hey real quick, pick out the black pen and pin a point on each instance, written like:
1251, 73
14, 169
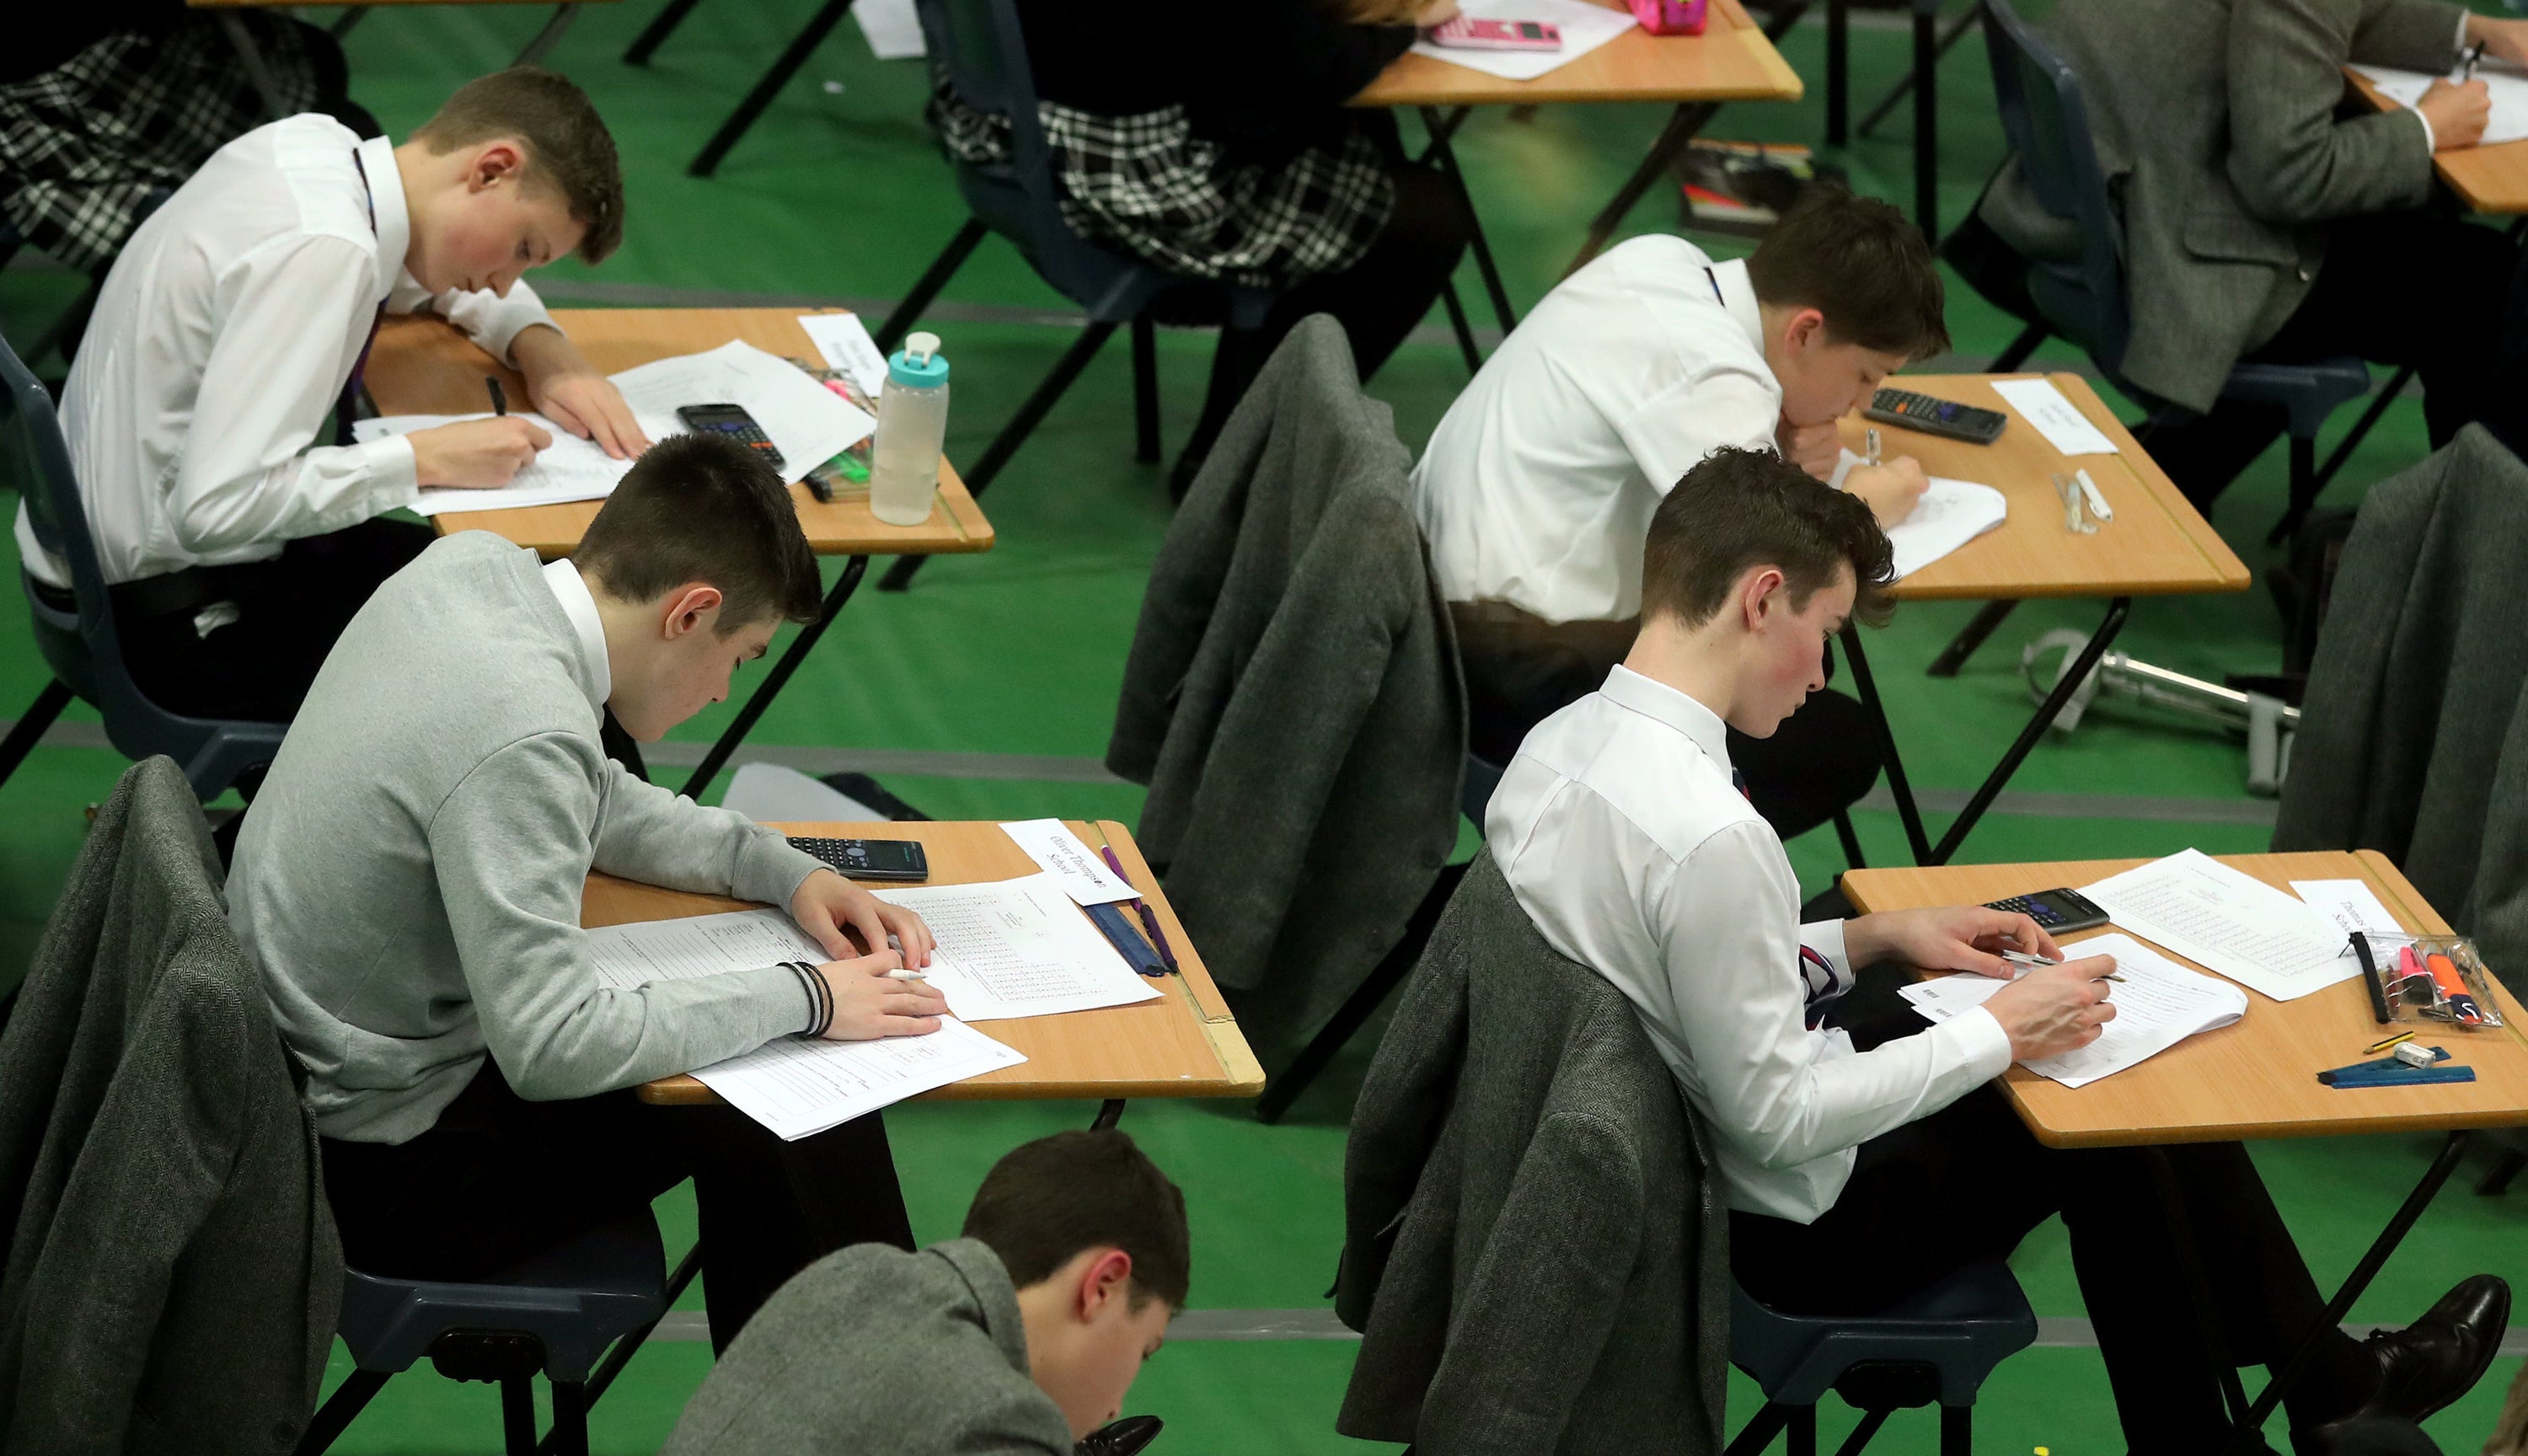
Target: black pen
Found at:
2474, 53
500, 400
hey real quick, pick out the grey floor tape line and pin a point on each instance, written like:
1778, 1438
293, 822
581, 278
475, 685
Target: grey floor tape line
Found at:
1295, 1324
1052, 769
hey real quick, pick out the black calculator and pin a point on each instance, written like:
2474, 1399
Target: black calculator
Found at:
734, 421
1933, 416
899, 860
2055, 912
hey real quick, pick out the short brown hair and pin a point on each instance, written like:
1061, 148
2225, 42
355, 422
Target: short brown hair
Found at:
1738, 509
704, 508
568, 148
1048, 1200
1861, 264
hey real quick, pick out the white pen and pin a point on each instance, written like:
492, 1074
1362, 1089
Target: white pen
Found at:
906, 974
1869, 444
2097, 501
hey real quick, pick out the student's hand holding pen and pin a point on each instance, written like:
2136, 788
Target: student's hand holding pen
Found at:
825, 904
870, 1003
1892, 488
2458, 112
1956, 937
476, 454
2055, 1009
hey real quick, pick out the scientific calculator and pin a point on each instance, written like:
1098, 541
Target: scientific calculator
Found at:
900, 860
1932, 416
734, 421
2055, 912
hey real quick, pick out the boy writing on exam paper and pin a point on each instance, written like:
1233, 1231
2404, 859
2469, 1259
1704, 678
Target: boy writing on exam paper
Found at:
409, 885
235, 546
1863, 1165
1538, 484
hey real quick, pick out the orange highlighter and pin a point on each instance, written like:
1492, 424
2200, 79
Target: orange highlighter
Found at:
2442, 972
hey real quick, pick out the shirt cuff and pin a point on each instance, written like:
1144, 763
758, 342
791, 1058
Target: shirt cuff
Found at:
2431, 143
2458, 44
1980, 1042
494, 322
1826, 937
395, 475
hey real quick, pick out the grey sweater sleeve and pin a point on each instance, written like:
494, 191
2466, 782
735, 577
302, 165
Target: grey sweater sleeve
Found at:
2291, 160
647, 834
508, 845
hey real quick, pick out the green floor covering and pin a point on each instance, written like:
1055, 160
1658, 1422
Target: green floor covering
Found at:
838, 194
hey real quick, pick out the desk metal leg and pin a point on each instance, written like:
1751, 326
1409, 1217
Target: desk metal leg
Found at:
1443, 160
659, 30
1974, 811
1682, 124
1949, 39
241, 40
1108, 1114
1927, 127
769, 85
1838, 71
1969, 636
1465, 331
547, 37
2245, 1437
713, 762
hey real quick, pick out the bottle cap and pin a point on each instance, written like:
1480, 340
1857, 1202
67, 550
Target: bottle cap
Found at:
919, 363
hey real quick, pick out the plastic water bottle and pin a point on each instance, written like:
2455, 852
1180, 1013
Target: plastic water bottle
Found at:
911, 423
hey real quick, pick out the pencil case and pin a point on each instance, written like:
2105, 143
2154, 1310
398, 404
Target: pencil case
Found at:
1670, 17
2438, 978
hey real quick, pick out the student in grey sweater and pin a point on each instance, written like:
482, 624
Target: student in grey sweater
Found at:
409, 885
1017, 1339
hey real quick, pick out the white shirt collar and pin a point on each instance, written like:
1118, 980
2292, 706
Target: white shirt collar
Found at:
386, 195
1738, 295
1656, 700
577, 603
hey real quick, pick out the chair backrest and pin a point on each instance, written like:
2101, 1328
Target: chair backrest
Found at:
2046, 121
79, 643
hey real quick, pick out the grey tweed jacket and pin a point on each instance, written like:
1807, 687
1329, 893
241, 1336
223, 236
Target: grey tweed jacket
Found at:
2414, 738
1532, 1250
2215, 126
173, 1273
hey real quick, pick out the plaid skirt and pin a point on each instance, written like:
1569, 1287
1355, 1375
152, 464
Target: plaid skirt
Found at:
1147, 185
88, 148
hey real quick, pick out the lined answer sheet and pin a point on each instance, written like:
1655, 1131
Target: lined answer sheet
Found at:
1018, 948
2229, 921
792, 1085
1951, 513
2158, 1004
568, 469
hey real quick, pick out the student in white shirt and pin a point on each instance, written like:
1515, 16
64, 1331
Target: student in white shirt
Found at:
235, 542
1862, 1165
1538, 484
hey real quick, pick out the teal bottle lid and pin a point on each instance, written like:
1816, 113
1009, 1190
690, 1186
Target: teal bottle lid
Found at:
917, 363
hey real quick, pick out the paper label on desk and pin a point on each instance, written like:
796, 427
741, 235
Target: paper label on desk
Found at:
2158, 1004
2055, 417
569, 469
841, 338
2229, 921
793, 1085
2352, 905
1950, 514
2502, 83
1584, 27
1018, 948
1059, 853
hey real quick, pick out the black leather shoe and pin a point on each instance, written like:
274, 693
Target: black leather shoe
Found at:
1133, 1432
2438, 1358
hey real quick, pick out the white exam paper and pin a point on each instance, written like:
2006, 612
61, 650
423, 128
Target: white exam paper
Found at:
2158, 1004
892, 29
568, 469
1584, 27
808, 423
2044, 406
2503, 82
1951, 513
845, 342
792, 1085
1018, 948
2231, 922
1080, 871
2352, 905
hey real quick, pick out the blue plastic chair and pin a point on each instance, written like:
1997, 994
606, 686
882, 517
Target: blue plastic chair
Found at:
1936, 1347
2047, 123
75, 629
555, 1315
984, 50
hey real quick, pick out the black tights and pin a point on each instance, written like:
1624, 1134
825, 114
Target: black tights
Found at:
1378, 301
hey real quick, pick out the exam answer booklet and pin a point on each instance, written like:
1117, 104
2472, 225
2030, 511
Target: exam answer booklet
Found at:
1018, 948
794, 1085
2158, 1004
2229, 922
1950, 514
